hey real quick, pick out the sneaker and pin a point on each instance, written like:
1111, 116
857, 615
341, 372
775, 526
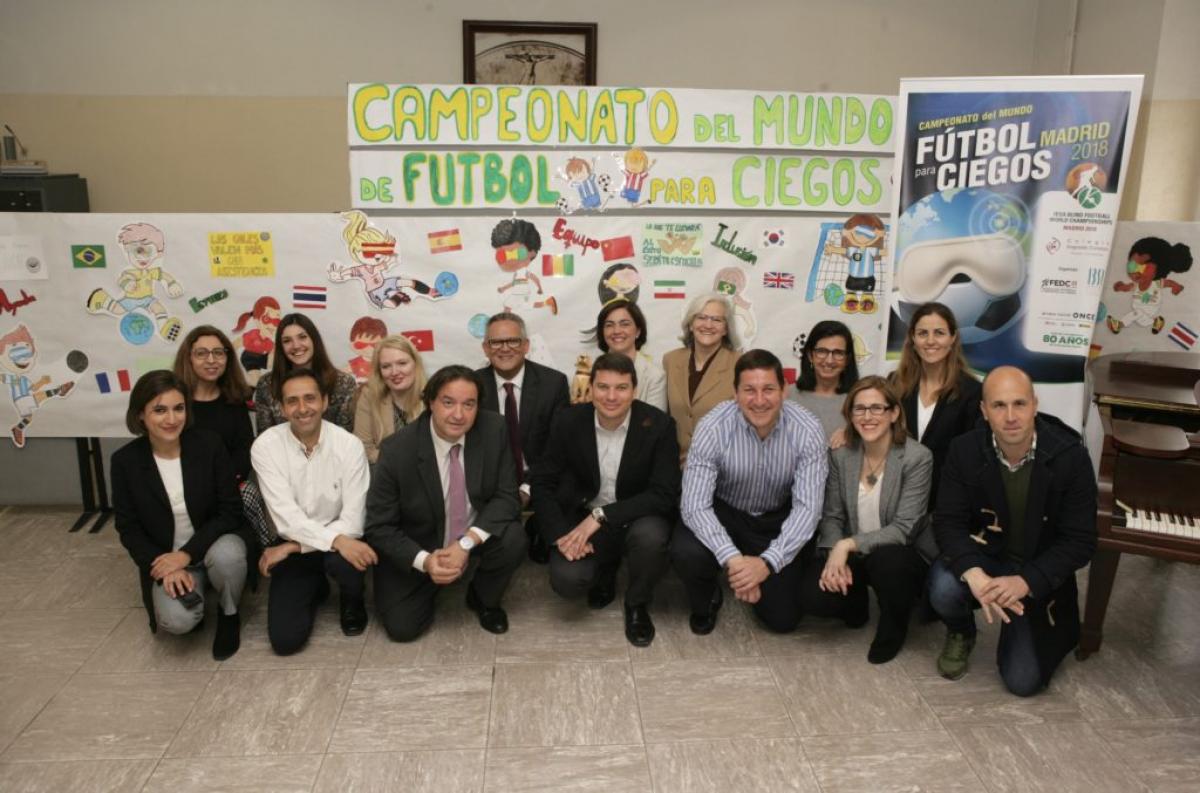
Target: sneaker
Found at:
1158, 325
952, 663
98, 302
553, 304
18, 436
850, 304
65, 388
1114, 324
867, 306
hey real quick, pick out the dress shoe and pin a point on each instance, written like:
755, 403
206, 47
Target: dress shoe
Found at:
229, 635
858, 608
889, 636
639, 628
354, 616
703, 624
539, 551
492, 620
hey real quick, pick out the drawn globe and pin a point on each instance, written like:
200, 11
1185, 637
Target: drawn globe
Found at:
959, 214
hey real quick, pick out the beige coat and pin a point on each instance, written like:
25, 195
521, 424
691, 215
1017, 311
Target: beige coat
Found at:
715, 388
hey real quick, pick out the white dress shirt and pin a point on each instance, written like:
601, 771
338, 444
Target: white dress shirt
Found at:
441, 448
171, 472
312, 498
610, 444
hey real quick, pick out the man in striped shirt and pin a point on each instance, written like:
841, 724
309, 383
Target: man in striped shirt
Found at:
752, 493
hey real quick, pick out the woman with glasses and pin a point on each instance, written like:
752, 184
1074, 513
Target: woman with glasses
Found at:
873, 519
700, 373
392, 397
298, 344
939, 396
217, 386
621, 328
177, 512
827, 370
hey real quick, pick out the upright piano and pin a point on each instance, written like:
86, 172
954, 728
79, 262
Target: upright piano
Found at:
1149, 469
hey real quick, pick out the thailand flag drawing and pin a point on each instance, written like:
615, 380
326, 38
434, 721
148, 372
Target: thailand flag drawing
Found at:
445, 241
304, 296
106, 386
775, 280
1182, 335
558, 264
617, 248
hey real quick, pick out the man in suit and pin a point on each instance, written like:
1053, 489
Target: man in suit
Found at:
608, 485
1015, 518
527, 395
444, 490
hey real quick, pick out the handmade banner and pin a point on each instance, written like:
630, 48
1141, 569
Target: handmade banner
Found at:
1006, 201
573, 181
383, 114
73, 341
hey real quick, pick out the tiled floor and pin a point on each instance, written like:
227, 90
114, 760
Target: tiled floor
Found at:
90, 701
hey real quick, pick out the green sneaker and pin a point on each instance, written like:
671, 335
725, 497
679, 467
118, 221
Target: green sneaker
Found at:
953, 662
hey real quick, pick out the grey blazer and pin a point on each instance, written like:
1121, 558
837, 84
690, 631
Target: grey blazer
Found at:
903, 501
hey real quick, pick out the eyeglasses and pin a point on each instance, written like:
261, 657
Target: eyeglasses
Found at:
874, 410
821, 353
216, 353
710, 318
497, 344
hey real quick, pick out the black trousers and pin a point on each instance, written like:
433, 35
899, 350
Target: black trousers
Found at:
405, 597
298, 586
643, 543
896, 573
779, 607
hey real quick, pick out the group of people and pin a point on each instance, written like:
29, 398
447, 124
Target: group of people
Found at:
928, 487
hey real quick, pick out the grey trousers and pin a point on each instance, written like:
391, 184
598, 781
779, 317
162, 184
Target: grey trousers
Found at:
225, 566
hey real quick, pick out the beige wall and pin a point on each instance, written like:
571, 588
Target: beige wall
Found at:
236, 105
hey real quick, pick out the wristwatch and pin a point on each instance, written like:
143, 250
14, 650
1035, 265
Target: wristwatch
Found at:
598, 515
466, 542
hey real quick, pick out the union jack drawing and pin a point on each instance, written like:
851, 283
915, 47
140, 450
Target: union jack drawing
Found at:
777, 280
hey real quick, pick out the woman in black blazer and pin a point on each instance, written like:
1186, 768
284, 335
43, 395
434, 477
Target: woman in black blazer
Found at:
938, 393
177, 513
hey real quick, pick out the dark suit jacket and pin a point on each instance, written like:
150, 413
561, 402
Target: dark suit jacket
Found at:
1060, 525
951, 418
406, 511
543, 393
567, 477
142, 509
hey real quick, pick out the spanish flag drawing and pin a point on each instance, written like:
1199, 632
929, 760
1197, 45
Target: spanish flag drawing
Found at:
558, 264
445, 241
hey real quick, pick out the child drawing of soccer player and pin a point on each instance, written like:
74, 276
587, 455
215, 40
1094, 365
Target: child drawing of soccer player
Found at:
374, 252
517, 243
592, 189
636, 167
257, 343
144, 246
365, 335
862, 246
1151, 261
18, 354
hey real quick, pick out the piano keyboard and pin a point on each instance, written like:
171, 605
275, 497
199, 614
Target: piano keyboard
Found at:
1157, 522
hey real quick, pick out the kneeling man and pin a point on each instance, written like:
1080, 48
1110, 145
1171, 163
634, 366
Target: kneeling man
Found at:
606, 487
444, 490
1015, 518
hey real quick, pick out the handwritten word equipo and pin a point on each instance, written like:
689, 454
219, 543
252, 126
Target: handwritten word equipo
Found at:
728, 245
806, 181
569, 237
466, 178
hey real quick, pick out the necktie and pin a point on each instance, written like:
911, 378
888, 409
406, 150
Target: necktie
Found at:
456, 497
512, 419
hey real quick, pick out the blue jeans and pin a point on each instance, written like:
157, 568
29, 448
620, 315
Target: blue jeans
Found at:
1016, 656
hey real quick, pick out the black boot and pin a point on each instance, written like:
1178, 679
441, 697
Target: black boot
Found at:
228, 637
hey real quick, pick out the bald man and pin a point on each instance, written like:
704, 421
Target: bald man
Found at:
1015, 518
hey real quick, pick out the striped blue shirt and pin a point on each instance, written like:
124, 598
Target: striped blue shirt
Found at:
729, 461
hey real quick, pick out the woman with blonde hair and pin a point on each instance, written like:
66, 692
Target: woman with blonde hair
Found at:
939, 396
392, 395
700, 373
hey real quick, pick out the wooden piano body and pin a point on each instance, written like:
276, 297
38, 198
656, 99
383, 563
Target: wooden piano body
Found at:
1150, 464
